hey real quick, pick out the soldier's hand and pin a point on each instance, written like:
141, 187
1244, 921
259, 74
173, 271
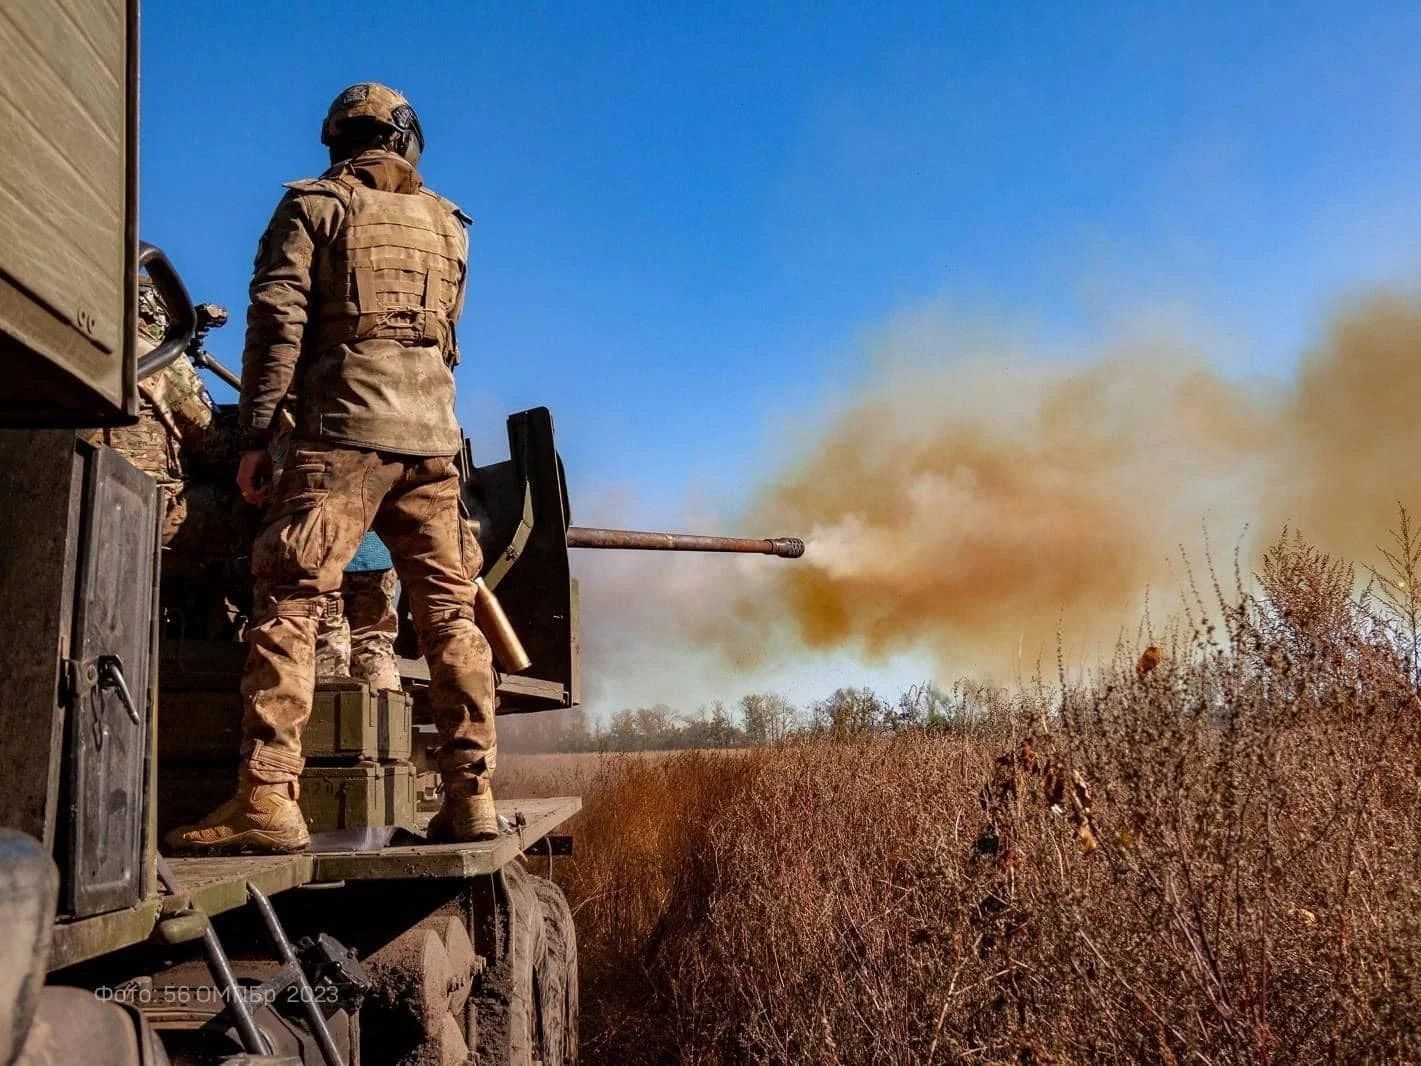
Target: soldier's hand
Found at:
254, 476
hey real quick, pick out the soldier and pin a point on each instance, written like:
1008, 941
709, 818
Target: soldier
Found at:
362, 643
180, 441
175, 422
358, 282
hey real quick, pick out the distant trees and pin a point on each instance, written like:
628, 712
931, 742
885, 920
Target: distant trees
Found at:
654, 722
768, 718
711, 727
849, 711
758, 718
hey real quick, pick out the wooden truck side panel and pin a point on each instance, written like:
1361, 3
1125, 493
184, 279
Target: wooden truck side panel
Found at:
68, 209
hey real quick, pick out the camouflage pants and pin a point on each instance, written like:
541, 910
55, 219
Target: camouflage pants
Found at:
328, 496
362, 643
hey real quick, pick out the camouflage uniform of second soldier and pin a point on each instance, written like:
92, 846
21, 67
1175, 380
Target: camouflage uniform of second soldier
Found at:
362, 643
176, 423
358, 282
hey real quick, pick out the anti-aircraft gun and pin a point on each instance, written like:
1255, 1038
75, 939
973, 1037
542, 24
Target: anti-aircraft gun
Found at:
528, 607
521, 511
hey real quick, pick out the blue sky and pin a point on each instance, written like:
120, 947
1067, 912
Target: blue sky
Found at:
690, 217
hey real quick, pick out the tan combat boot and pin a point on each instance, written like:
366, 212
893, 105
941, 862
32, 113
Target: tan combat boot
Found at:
259, 818
466, 816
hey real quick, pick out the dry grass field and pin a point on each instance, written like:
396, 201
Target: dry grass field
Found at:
1209, 853
521, 776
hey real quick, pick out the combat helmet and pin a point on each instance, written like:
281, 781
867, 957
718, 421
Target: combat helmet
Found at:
379, 103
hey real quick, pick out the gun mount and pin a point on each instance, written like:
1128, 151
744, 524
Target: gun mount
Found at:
525, 530
209, 317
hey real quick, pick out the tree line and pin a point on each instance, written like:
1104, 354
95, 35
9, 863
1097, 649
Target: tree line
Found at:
757, 718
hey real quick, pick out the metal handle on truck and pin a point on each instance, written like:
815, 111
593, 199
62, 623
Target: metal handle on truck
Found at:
182, 319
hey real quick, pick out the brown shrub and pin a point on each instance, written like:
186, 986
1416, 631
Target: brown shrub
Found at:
1215, 859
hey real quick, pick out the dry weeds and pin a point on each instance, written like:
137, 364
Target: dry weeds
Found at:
1208, 853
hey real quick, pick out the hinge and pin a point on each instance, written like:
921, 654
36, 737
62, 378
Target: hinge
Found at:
77, 677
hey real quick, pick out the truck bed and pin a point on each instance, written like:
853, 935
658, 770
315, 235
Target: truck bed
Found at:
219, 884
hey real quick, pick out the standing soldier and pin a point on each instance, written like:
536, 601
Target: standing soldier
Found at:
358, 282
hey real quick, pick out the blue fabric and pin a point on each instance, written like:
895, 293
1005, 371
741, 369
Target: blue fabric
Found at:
371, 555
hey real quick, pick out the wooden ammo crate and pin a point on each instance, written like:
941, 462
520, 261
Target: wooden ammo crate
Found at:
351, 797
348, 721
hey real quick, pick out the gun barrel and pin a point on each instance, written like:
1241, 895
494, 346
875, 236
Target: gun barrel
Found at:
205, 359
589, 537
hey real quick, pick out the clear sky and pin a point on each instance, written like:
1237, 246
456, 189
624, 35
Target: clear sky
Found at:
690, 216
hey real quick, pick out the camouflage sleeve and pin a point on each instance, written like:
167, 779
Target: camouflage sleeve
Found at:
188, 404
455, 356
280, 296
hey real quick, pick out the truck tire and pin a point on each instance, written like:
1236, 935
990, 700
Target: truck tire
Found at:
527, 1002
406, 1018
556, 977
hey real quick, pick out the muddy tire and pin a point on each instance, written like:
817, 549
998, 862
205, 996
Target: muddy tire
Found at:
527, 1001
555, 978
408, 1017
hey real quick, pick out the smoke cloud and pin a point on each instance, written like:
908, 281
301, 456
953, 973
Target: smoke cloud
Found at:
979, 504
981, 500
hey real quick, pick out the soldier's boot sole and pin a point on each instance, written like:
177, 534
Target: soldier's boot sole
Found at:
248, 842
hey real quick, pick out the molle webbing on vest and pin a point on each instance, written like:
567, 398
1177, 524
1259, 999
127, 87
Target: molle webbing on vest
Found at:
393, 270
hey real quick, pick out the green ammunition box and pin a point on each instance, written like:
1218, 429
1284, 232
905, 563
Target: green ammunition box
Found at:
332, 797
352, 797
348, 720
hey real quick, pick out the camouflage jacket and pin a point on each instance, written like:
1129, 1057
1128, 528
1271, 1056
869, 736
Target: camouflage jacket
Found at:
175, 419
175, 413
384, 392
